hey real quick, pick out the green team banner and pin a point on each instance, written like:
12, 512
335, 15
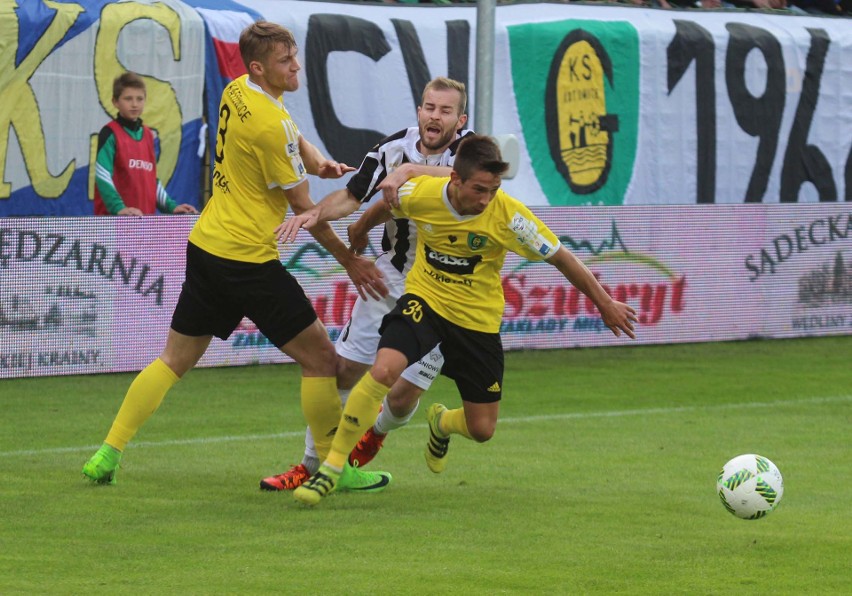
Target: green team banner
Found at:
624, 106
579, 108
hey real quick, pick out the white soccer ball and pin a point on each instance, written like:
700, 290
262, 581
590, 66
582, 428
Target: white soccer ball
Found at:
750, 486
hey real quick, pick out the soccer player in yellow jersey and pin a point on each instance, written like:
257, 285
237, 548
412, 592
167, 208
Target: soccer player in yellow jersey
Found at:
426, 149
232, 263
454, 296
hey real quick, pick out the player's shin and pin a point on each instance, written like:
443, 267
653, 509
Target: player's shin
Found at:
321, 408
142, 400
453, 422
360, 413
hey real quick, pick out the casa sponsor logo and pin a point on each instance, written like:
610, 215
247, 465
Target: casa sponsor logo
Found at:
534, 304
140, 164
451, 263
583, 145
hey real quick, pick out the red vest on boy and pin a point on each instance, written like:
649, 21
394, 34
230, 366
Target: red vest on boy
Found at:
134, 171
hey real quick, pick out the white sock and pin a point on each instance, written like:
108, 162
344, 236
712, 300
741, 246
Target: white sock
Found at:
311, 463
344, 395
387, 422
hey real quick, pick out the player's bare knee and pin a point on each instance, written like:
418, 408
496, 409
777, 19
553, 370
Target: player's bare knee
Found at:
349, 372
481, 431
383, 374
388, 366
322, 362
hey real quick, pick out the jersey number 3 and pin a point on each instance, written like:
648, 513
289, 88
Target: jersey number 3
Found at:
224, 114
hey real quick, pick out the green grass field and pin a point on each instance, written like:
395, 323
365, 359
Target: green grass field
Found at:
600, 480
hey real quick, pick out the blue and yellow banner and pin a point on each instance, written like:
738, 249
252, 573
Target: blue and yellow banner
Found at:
59, 59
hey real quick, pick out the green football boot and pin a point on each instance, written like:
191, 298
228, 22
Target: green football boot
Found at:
356, 480
326, 481
103, 465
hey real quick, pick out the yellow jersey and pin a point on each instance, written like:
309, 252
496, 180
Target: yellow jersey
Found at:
458, 260
256, 158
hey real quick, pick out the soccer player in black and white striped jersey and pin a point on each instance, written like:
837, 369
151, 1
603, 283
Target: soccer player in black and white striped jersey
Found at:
427, 149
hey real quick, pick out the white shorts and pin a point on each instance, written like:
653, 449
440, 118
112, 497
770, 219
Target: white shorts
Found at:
359, 339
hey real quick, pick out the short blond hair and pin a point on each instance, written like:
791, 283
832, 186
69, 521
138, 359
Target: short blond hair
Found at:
259, 39
447, 84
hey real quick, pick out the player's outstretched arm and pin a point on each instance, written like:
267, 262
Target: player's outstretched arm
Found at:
390, 185
317, 164
335, 205
358, 231
363, 272
616, 315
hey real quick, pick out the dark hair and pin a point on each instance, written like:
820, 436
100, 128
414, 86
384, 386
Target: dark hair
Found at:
122, 82
446, 84
259, 39
478, 153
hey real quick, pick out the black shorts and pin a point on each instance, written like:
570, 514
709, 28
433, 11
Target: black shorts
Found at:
473, 359
217, 293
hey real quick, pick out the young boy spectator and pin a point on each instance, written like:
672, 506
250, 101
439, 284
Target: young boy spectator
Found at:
126, 166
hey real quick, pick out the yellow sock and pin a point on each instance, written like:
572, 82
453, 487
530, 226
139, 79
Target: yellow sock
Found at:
321, 408
360, 413
454, 422
144, 396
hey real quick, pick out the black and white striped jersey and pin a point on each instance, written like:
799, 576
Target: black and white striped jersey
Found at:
400, 238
